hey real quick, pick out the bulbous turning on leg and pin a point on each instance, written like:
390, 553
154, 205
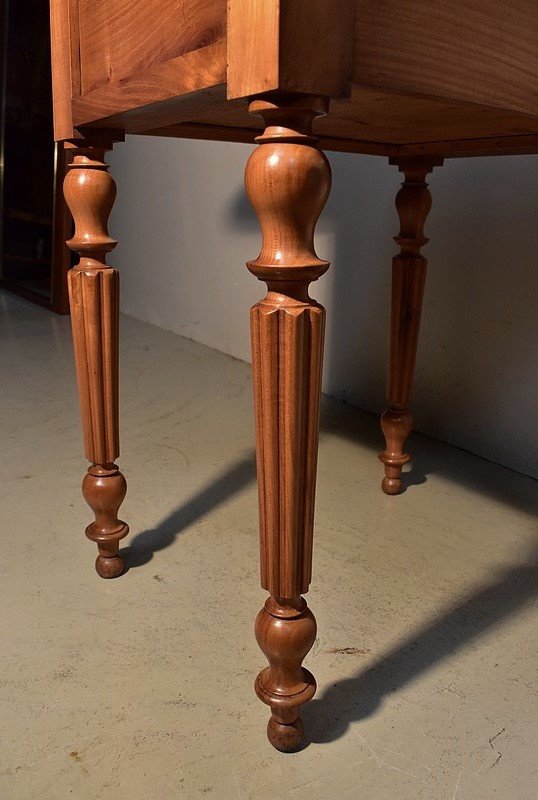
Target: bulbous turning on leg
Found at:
285, 631
396, 427
288, 180
104, 490
413, 203
94, 301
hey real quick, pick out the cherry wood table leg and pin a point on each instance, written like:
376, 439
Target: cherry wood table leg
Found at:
94, 301
413, 203
288, 181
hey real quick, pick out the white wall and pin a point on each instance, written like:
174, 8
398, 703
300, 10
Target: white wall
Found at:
185, 230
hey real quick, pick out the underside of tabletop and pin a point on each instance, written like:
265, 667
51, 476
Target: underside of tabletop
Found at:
453, 78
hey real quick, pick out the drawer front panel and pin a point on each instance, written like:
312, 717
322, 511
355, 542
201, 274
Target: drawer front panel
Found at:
121, 38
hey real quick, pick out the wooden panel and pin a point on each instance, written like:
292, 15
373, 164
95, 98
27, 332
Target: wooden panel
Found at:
493, 146
119, 38
404, 119
65, 65
189, 130
483, 52
292, 45
370, 121
163, 93
301, 46
253, 59
499, 146
372, 115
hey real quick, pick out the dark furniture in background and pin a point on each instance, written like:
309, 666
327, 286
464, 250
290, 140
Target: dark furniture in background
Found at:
33, 223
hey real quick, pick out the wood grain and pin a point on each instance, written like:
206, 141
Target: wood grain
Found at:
271, 46
490, 146
288, 180
382, 115
285, 631
253, 34
428, 79
370, 121
386, 123
428, 74
65, 64
413, 203
121, 38
94, 300
471, 50
169, 92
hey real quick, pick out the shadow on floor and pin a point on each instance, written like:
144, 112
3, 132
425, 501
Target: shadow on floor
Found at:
327, 718
429, 456
232, 480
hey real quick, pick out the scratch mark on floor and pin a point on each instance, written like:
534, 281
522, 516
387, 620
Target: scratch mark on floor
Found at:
379, 761
236, 784
494, 737
499, 754
457, 784
408, 758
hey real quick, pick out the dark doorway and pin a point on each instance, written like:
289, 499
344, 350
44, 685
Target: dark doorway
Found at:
34, 223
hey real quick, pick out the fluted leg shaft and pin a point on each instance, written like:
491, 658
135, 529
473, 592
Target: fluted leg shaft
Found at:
413, 203
94, 301
288, 181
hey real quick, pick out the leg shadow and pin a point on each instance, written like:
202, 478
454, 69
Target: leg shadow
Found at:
430, 456
328, 717
145, 544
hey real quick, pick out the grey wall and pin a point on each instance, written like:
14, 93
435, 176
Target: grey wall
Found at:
185, 230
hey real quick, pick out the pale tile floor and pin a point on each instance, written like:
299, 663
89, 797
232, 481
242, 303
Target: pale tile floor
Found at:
142, 687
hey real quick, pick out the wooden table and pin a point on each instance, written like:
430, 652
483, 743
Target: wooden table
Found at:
415, 81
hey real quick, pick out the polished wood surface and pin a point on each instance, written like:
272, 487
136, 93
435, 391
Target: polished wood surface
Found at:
413, 203
468, 50
463, 148
398, 75
415, 82
65, 66
265, 53
94, 300
121, 38
288, 181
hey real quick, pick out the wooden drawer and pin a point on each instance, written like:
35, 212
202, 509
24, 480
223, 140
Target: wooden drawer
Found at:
397, 73
119, 39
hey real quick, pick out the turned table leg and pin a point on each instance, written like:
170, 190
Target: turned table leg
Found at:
413, 203
288, 181
94, 300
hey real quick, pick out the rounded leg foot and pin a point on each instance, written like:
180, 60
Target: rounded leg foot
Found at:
104, 488
109, 567
285, 738
391, 485
285, 630
396, 427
